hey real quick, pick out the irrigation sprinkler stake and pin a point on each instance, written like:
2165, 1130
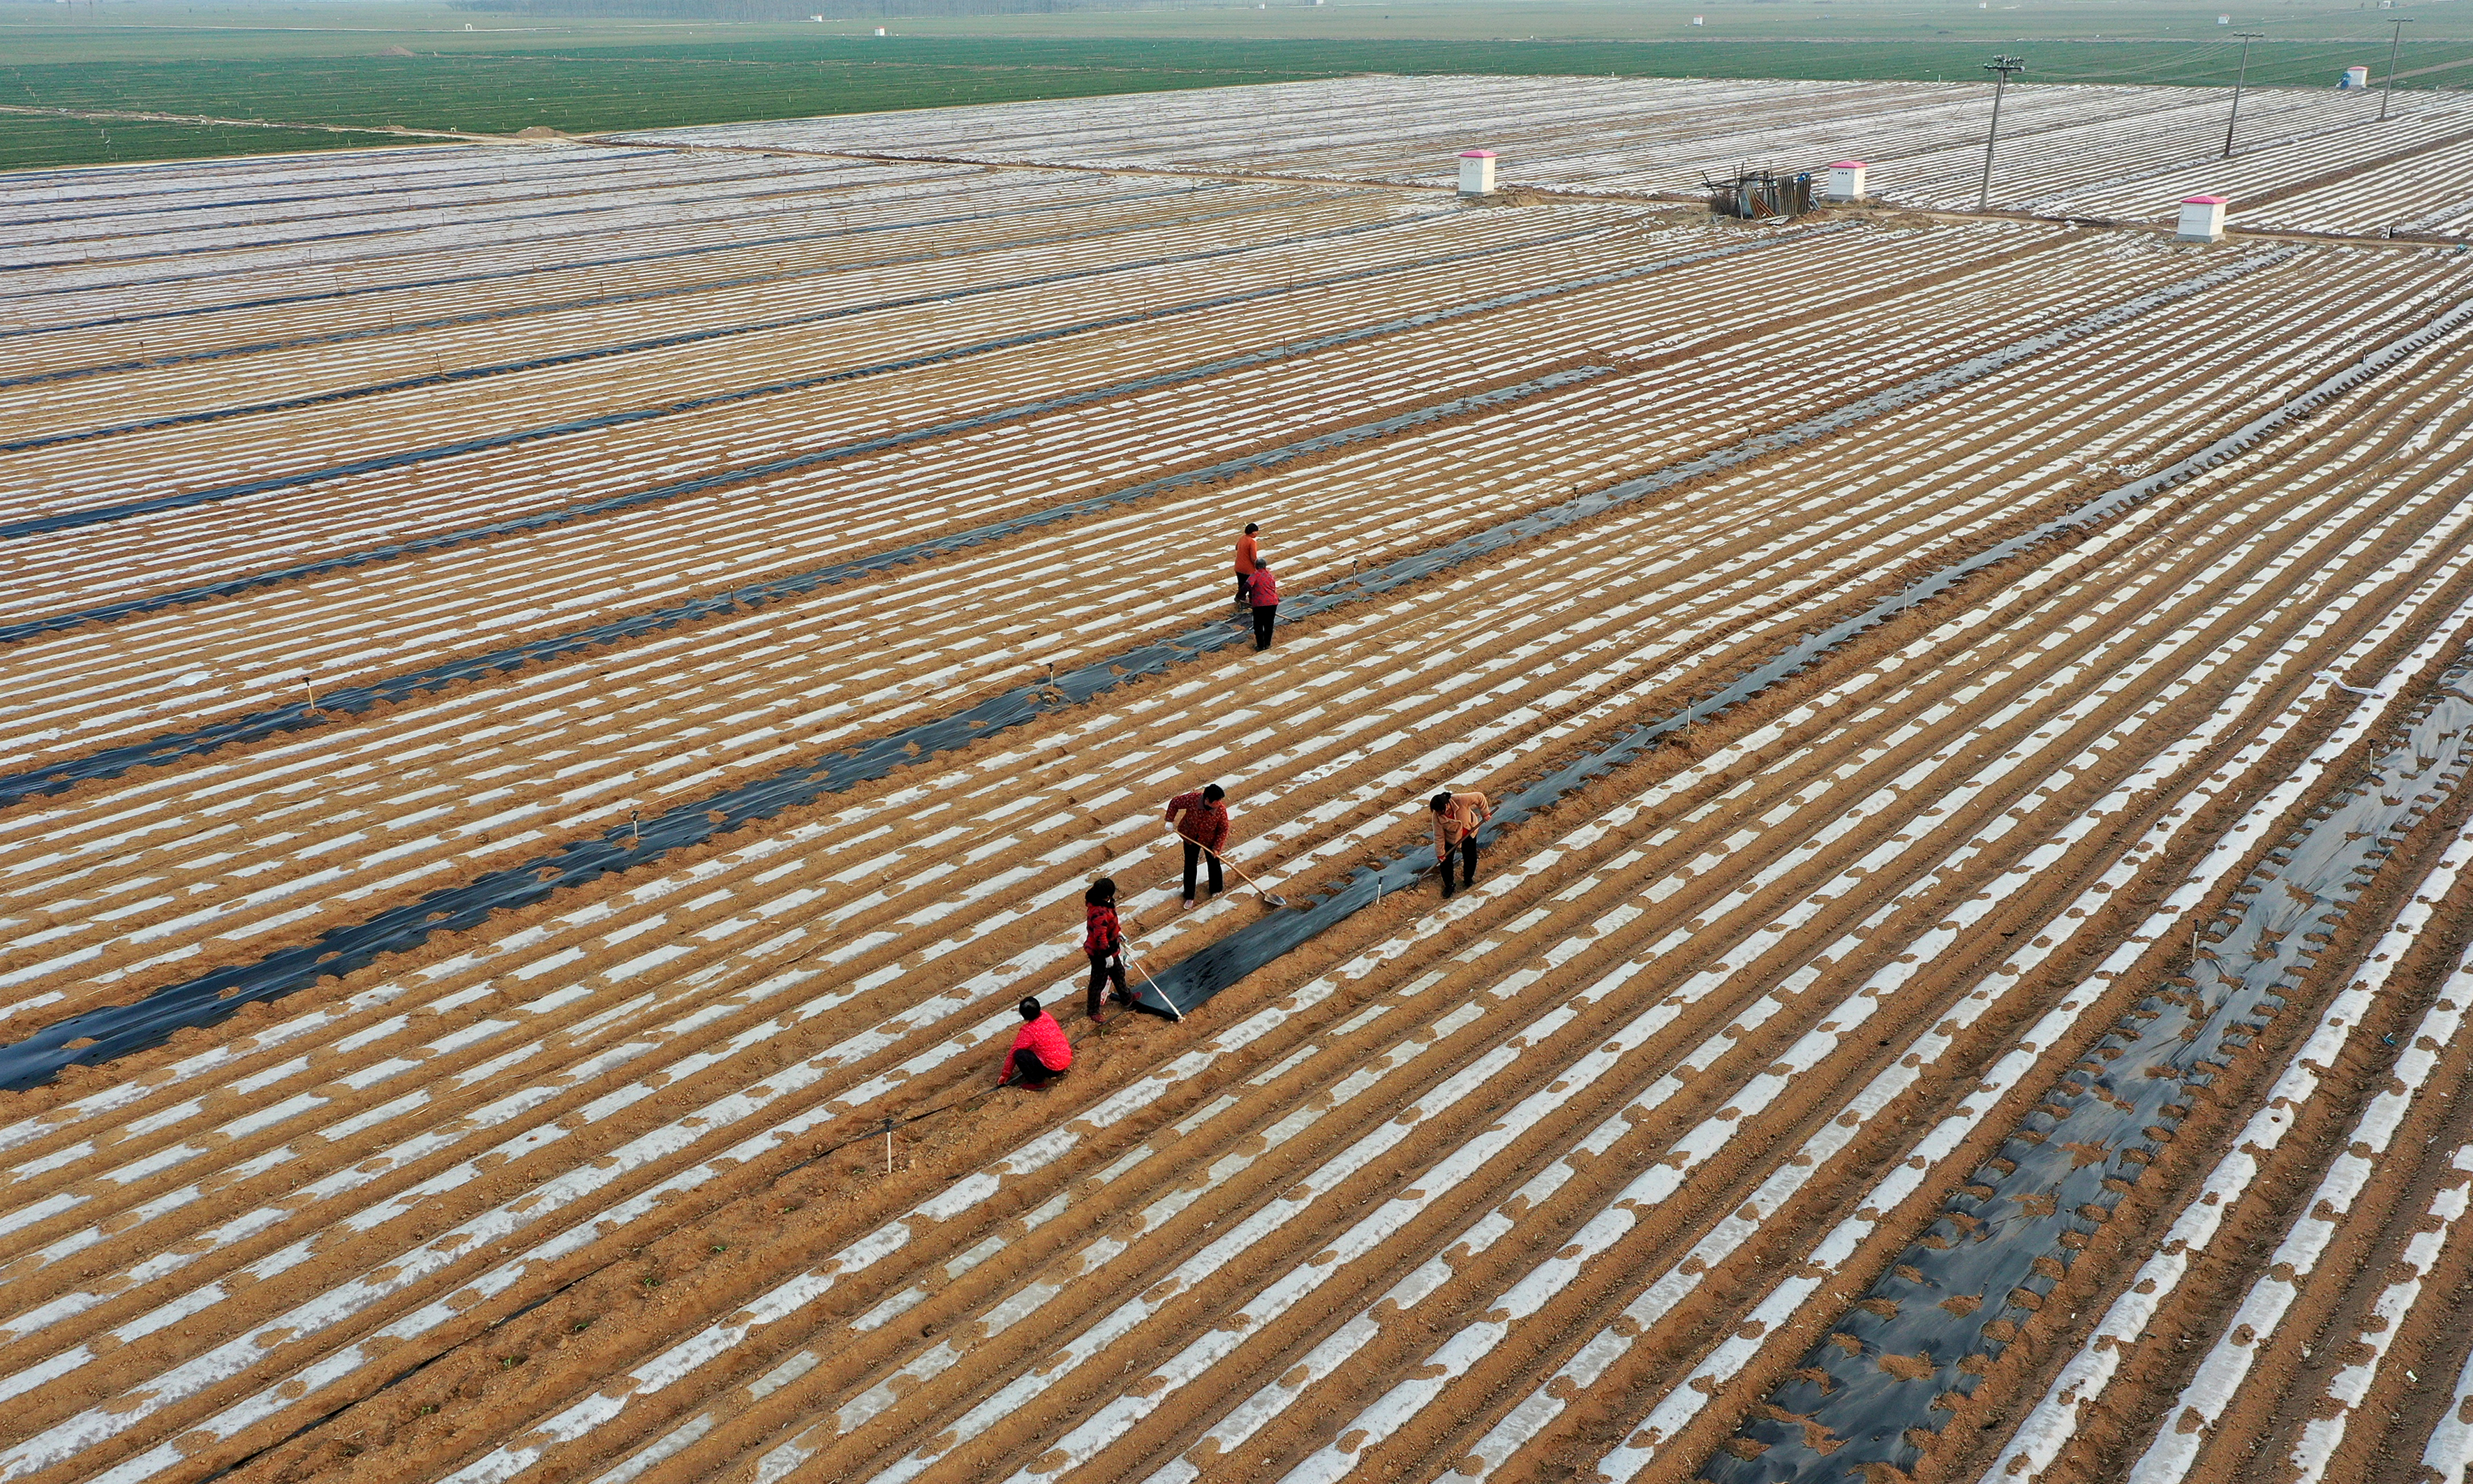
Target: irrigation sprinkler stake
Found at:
888, 1146
311, 686
635, 830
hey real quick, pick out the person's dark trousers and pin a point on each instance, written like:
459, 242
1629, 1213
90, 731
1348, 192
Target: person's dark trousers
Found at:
1468, 863
1244, 592
1104, 967
1262, 617
1193, 853
1029, 1071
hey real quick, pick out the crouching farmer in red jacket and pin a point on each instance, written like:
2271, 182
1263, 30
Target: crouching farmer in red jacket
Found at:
1040, 1050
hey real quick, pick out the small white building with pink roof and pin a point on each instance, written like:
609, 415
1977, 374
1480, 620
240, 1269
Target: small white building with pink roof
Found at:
2202, 218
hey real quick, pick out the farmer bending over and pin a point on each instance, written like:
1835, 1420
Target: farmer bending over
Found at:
1456, 818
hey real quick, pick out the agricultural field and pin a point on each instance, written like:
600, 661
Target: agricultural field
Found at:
151, 79
554, 697
2315, 160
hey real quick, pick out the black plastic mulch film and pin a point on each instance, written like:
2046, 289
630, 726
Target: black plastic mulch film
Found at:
117, 1030
230, 587
1965, 1290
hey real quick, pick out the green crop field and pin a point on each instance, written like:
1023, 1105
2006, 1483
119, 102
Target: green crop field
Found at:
33, 142
497, 71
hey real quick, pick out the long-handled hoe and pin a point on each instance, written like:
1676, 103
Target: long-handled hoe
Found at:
1134, 954
1271, 899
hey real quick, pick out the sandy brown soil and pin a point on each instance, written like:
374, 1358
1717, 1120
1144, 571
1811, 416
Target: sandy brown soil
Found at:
596, 1190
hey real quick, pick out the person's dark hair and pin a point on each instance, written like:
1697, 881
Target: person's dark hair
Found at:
1029, 1008
1212, 792
1251, 528
1102, 892
1439, 802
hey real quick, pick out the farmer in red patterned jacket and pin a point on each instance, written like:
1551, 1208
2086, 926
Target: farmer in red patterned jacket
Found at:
1103, 943
1201, 820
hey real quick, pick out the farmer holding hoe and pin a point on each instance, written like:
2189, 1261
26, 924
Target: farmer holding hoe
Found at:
1456, 818
1200, 819
1103, 943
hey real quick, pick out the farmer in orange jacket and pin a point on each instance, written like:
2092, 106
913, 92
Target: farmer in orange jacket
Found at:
1456, 818
1201, 820
1248, 557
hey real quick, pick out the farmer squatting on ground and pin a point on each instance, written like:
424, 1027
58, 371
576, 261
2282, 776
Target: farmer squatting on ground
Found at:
1201, 820
1040, 1052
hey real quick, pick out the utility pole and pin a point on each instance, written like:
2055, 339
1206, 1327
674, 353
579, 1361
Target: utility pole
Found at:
2397, 41
2239, 77
2004, 66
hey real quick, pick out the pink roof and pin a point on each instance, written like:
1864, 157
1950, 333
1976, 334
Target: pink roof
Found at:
1850, 164
1477, 155
2206, 200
